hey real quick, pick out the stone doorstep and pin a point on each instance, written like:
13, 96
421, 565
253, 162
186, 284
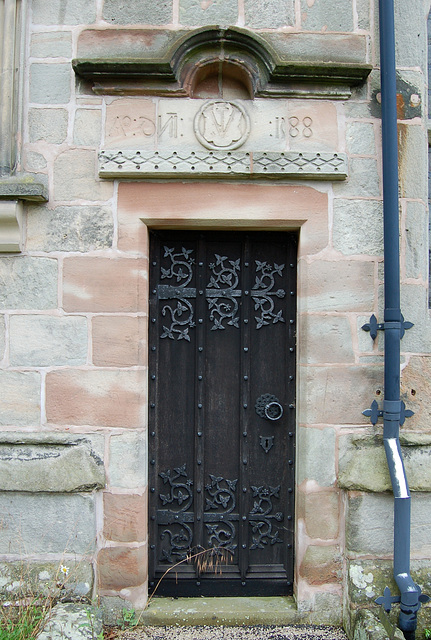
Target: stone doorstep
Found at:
222, 611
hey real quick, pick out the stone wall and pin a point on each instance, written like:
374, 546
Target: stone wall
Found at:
73, 317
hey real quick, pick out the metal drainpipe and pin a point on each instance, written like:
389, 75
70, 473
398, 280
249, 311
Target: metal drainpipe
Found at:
393, 331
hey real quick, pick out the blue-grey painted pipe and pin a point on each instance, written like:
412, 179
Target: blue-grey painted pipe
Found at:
392, 405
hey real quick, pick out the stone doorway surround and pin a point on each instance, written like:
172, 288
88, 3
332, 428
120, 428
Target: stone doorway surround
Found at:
293, 128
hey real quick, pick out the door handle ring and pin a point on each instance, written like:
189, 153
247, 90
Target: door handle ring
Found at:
273, 410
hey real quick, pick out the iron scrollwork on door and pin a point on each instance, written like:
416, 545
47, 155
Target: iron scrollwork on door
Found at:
261, 518
222, 292
263, 293
180, 536
219, 517
181, 314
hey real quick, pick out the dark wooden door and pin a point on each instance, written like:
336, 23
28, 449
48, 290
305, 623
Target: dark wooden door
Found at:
221, 412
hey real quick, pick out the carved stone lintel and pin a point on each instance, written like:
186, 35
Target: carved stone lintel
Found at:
212, 164
10, 225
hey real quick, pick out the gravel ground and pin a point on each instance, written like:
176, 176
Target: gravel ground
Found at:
300, 632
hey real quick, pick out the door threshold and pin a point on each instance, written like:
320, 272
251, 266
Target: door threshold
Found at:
232, 612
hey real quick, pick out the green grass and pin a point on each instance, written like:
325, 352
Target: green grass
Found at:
22, 622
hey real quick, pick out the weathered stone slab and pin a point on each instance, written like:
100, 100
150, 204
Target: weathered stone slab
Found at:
320, 511
87, 127
331, 15
415, 379
271, 14
346, 285
128, 460
363, 466
50, 463
217, 12
369, 528
72, 622
321, 565
321, 389
28, 283
57, 12
51, 44
50, 83
125, 517
122, 567
75, 177
119, 341
103, 398
358, 227
325, 339
49, 125
47, 523
2, 337
75, 228
416, 235
20, 398
41, 340
316, 456
11, 213
138, 12
46, 578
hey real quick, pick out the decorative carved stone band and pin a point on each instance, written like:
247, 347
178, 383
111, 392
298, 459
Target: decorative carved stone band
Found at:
143, 164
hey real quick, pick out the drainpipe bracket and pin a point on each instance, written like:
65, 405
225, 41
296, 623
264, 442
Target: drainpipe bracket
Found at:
387, 600
373, 326
393, 411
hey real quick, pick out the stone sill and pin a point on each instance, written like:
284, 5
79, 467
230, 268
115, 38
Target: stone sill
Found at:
222, 164
22, 188
13, 191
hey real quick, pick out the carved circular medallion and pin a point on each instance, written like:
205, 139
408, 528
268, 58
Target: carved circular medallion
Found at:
221, 125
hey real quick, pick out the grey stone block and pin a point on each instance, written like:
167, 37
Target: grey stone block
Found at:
49, 125
52, 44
363, 466
43, 341
369, 528
316, 456
223, 12
416, 228
2, 337
413, 161
331, 15
47, 523
72, 622
363, 10
83, 228
358, 227
20, 398
75, 177
59, 12
128, 460
34, 161
87, 127
45, 578
50, 83
138, 12
411, 42
28, 283
269, 13
49, 463
360, 138
363, 181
